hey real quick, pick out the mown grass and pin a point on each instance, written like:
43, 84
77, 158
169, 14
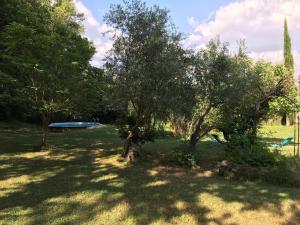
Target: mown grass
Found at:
83, 180
275, 134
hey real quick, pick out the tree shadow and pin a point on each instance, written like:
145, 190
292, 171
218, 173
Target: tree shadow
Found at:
27, 139
92, 184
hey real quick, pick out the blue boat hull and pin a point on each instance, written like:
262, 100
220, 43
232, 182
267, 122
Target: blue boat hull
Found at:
71, 125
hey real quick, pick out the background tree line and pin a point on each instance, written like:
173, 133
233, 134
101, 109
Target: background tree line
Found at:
44, 63
155, 79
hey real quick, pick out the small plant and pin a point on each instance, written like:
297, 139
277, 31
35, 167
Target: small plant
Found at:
185, 156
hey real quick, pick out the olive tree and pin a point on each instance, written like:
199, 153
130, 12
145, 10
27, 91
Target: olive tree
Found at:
148, 68
255, 85
211, 76
233, 93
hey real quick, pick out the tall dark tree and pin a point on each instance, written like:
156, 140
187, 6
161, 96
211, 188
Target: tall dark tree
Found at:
288, 61
12, 13
287, 50
88, 93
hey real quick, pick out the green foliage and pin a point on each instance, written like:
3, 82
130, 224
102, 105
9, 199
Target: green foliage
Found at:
89, 91
245, 149
232, 93
146, 63
185, 156
285, 105
140, 134
47, 64
212, 71
210, 83
256, 85
287, 50
278, 174
282, 106
255, 161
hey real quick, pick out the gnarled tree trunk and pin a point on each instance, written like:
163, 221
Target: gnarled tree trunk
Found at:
285, 120
128, 143
198, 132
131, 149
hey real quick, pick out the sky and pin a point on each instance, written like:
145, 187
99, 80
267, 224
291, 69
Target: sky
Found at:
258, 22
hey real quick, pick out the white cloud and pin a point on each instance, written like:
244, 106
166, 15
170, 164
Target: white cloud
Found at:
259, 22
277, 57
192, 21
95, 31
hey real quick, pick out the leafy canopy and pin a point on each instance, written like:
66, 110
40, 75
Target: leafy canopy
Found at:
147, 64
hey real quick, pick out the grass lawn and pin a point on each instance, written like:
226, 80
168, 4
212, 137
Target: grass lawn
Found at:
275, 134
83, 180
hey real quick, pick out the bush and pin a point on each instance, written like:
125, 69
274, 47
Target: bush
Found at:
245, 150
185, 156
256, 162
141, 134
280, 174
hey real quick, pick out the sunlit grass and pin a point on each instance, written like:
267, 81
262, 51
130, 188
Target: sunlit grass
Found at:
83, 180
276, 133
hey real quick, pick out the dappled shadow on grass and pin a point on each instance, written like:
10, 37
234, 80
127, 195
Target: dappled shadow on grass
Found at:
85, 181
28, 139
26, 166
148, 198
95, 185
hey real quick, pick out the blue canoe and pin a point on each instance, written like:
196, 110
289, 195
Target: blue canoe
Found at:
73, 125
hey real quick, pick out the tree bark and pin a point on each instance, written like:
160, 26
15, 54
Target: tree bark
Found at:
45, 123
132, 135
196, 135
127, 144
285, 120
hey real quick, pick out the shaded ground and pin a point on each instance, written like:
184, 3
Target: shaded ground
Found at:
84, 181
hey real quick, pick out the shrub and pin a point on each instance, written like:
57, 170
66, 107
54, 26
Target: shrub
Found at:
141, 136
256, 162
185, 156
280, 174
245, 150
